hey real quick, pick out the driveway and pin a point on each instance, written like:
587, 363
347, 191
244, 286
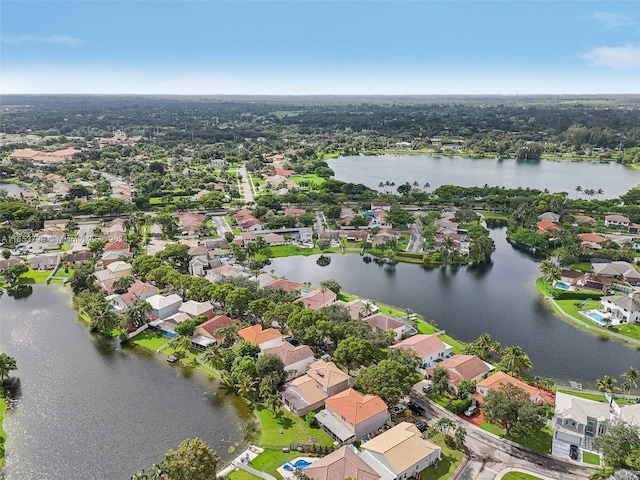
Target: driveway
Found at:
416, 241
221, 225
85, 233
246, 188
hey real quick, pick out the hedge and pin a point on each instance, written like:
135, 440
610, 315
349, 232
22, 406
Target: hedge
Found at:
572, 295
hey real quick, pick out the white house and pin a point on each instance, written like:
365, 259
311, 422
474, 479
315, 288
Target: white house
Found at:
615, 220
120, 269
305, 235
198, 265
622, 308
296, 360
400, 453
194, 309
163, 307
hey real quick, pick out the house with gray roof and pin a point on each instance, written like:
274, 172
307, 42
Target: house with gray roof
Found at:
621, 308
619, 269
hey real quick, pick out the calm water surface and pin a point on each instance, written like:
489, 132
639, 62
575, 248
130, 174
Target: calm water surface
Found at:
557, 176
86, 409
499, 298
13, 188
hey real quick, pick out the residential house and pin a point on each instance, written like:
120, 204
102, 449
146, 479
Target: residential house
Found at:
294, 212
545, 226
463, 367
340, 464
198, 266
350, 416
357, 308
115, 225
357, 235
621, 308
309, 391
251, 225
274, 239
263, 279
209, 328
550, 216
263, 338
577, 421
587, 220
304, 235
381, 321
634, 228
51, 236
399, 453
317, 299
619, 270
77, 257
331, 235
586, 281
218, 163
296, 359
226, 271
8, 262
60, 223
142, 290
499, 380
591, 240
214, 243
164, 306
190, 222
44, 262
284, 284
198, 251
382, 206
195, 309
120, 269
616, 220
428, 348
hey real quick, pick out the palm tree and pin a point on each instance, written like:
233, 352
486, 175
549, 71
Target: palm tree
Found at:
139, 475
158, 471
427, 186
599, 192
212, 356
381, 185
549, 271
139, 312
578, 190
181, 345
631, 378
7, 364
246, 387
515, 360
607, 384
272, 402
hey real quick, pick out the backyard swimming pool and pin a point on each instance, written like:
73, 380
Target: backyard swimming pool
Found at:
299, 463
596, 317
562, 286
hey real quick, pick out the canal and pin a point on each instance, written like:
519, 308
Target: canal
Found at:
85, 408
499, 298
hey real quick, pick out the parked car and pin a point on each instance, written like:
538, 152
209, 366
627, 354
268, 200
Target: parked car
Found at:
415, 408
427, 388
422, 426
470, 412
397, 409
573, 451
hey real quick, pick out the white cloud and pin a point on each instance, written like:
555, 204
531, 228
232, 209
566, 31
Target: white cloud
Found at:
54, 39
626, 57
613, 20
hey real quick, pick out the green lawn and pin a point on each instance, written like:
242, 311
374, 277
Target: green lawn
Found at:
33, 276
294, 429
627, 330
290, 250
311, 178
3, 434
494, 215
149, 341
591, 396
519, 476
592, 458
539, 441
583, 267
268, 461
449, 460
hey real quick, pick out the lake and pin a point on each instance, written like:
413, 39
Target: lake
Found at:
499, 298
86, 408
557, 176
14, 188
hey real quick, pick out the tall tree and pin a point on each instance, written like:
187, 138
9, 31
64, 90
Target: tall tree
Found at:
440, 379
620, 445
353, 352
193, 460
631, 377
7, 364
607, 384
515, 360
511, 408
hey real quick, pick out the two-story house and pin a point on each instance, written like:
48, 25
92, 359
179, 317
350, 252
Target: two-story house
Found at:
428, 348
295, 359
350, 416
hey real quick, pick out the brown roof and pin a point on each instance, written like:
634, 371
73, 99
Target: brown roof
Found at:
357, 234
355, 407
140, 288
341, 464
215, 323
111, 246
585, 219
463, 367
591, 237
257, 336
284, 284
617, 218
383, 322
326, 374
79, 256
500, 379
423, 345
294, 211
290, 354
318, 298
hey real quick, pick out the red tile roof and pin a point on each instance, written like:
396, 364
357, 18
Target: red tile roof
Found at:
355, 407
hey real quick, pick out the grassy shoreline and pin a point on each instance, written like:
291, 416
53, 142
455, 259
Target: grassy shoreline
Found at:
3, 434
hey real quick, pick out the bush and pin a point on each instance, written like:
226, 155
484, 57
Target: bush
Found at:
459, 405
449, 441
572, 295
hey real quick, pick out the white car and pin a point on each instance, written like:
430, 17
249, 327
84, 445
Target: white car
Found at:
470, 412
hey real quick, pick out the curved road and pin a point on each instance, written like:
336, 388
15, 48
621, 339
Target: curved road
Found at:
489, 454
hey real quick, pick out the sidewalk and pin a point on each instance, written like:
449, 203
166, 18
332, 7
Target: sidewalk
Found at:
245, 457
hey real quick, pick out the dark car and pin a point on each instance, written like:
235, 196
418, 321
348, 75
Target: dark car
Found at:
573, 451
422, 426
415, 408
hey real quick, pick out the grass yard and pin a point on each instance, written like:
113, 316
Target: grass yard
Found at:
519, 476
591, 396
583, 267
149, 341
291, 250
627, 330
3, 434
539, 441
294, 429
33, 276
449, 461
494, 215
591, 458
311, 178
268, 461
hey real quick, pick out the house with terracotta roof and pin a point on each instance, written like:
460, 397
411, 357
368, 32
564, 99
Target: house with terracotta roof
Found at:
191, 222
499, 380
296, 360
340, 464
587, 220
263, 338
309, 391
294, 212
317, 299
463, 367
358, 309
349, 416
384, 322
399, 453
545, 226
142, 290
616, 220
208, 329
428, 348
284, 284
194, 309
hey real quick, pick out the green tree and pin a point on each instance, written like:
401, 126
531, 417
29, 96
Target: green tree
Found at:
631, 377
511, 408
13, 272
331, 284
620, 445
7, 364
272, 402
193, 460
440, 378
96, 246
181, 345
550, 272
607, 384
466, 388
6, 253
82, 277
515, 360
353, 352
122, 284
186, 327
391, 379
271, 365
138, 313
176, 255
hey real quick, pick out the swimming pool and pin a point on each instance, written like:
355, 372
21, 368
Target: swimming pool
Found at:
599, 319
300, 463
562, 286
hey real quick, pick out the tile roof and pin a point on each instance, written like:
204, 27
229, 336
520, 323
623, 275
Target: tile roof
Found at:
578, 409
463, 367
340, 464
326, 374
423, 345
215, 323
290, 354
284, 284
317, 299
500, 379
111, 246
383, 322
591, 237
194, 308
356, 407
257, 336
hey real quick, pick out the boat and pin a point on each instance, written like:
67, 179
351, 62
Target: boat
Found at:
172, 359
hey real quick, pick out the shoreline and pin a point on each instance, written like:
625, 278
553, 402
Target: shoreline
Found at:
3, 434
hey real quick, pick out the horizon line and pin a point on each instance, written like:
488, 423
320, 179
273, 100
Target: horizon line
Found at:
328, 94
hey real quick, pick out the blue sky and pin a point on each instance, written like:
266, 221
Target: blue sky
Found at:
320, 47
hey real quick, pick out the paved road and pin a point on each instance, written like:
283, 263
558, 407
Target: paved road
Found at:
221, 225
416, 241
320, 223
489, 454
85, 233
246, 188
